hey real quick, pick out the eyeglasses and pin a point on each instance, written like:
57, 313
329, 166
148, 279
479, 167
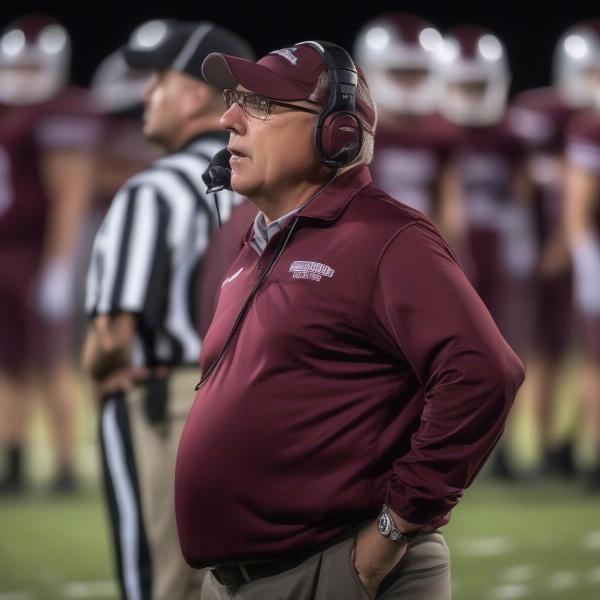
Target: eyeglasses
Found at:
257, 106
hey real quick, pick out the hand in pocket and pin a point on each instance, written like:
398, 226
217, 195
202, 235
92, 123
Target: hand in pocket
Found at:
374, 557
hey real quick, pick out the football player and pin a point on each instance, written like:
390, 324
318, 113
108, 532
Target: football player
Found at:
396, 52
486, 184
47, 135
582, 216
486, 171
539, 117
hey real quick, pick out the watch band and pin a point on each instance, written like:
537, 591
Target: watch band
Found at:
387, 528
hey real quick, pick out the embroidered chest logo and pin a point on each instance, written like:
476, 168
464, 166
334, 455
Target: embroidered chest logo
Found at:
307, 269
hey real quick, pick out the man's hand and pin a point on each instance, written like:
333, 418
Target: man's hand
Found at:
106, 354
374, 557
108, 345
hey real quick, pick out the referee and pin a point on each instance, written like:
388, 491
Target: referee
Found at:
142, 345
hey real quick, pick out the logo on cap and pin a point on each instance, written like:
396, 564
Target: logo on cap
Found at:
288, 54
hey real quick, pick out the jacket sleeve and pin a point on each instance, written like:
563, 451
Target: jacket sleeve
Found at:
430, 313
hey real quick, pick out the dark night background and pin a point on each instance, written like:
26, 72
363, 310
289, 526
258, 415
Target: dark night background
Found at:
529, 30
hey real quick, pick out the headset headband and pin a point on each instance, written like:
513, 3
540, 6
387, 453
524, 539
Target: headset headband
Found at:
343, 81
342, 73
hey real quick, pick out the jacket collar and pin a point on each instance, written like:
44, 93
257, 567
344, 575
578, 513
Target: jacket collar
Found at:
330, 201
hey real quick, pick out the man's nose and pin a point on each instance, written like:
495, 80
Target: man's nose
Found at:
234, 119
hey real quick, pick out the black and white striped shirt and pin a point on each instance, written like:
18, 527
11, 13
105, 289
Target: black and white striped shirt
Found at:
147, 251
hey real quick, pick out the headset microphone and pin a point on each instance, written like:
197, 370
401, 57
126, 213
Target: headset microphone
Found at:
217, 176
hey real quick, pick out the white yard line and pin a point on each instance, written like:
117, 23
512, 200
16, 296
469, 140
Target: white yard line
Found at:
511, 591
89, 589
562, 580
592, 540
518, 573
594, 575
484, 547
69, 591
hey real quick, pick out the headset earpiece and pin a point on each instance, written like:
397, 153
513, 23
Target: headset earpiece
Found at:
338, 132
339, 138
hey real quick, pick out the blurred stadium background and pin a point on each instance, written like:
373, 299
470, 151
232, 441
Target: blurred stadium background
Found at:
536, 538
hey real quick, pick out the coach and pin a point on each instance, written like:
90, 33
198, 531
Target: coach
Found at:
354, 383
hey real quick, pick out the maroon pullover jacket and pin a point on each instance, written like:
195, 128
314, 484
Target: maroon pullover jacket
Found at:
365, 370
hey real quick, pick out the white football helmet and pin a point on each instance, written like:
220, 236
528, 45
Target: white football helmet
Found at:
396, 53
116, 87
35, 53
473, 65
577, 65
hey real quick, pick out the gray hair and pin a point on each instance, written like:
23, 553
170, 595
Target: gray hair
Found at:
365, 156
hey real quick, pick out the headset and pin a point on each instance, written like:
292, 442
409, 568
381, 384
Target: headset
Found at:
338, 135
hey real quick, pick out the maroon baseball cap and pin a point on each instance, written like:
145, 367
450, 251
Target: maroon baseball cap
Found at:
287, 74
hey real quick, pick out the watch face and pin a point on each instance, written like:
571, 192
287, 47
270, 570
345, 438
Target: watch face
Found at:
384, 523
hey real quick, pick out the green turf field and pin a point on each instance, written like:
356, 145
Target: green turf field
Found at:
540, 544
537, 542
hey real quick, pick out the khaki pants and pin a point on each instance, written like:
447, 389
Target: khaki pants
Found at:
155, 448
139, 471
422, 574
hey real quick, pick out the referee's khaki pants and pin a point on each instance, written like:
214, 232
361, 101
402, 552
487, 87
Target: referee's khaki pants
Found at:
422, 574
155, 449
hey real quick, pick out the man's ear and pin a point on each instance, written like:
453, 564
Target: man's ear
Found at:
201, 100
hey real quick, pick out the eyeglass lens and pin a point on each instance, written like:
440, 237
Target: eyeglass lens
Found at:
253, 104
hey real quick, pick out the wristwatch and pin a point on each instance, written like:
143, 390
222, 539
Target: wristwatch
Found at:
387, 528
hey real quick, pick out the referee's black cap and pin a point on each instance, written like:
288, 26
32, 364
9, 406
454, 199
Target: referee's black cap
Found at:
180, 45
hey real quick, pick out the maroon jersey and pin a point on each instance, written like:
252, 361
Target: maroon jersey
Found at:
583, 150
583, 147
499, 239
539, 119
486, 159
67, 121
408, 161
